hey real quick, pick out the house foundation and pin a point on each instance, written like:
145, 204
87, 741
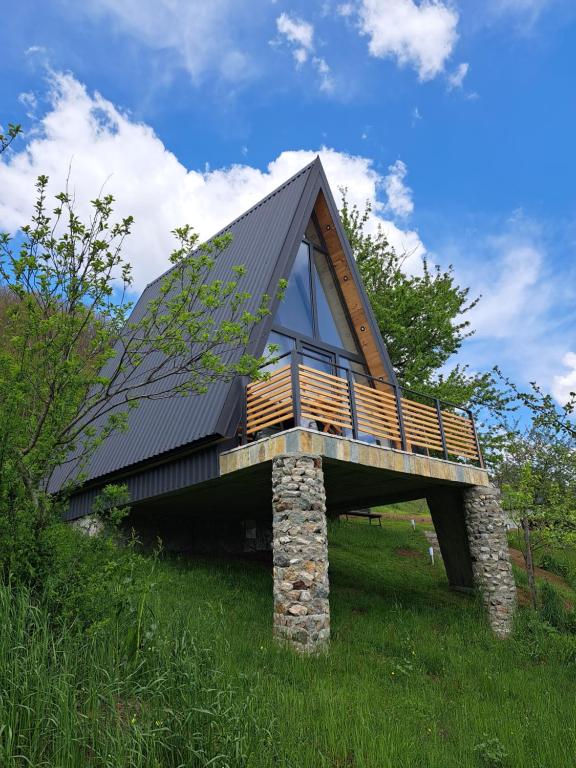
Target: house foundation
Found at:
308, 466
300, 550
491, 565
471, 530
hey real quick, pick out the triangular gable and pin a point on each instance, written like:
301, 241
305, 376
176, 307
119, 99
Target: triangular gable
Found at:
317, 198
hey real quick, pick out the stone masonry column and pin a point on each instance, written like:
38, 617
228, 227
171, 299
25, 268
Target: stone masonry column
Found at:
300, 548
490, 557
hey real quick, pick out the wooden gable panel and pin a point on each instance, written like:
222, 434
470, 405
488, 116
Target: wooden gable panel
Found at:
350, 292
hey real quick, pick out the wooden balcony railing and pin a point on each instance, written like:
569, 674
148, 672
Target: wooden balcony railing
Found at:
362, 407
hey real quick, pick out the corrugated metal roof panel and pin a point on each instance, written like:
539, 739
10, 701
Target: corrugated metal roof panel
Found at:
158, 426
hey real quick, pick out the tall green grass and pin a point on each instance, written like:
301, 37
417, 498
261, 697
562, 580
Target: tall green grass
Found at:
413, 678
70, 699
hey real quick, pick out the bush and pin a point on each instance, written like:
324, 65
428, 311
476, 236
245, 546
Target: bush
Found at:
90, 581
491, 753
549, 563
554, 611
23, 549
552, 606
538, 642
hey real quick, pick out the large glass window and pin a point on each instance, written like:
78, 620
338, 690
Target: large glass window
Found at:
333, 326
295, 310
359, 370
284, 344
312, 306
313, 235
314, 358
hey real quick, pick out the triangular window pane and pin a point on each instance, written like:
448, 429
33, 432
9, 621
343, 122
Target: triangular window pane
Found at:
333, 326
313, 235
295, 310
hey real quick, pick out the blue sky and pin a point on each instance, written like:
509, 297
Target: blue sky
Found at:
456, 119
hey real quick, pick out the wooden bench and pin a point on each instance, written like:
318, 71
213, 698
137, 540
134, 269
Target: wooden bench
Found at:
367, 515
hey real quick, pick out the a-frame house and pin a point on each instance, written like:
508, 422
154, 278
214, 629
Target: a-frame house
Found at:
328, 431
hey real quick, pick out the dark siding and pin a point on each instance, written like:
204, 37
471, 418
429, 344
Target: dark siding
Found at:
173, 475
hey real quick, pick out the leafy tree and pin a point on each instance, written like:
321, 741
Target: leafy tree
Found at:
537, 475
422, 319
543, 407
73, 365
7, 138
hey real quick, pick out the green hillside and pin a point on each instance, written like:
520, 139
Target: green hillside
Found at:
190, 676
413, 678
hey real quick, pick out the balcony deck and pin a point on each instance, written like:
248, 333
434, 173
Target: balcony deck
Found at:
360, 407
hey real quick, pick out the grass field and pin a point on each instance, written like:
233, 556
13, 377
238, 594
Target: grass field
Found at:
413, 678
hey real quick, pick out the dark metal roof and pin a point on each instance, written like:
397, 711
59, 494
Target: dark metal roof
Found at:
157, 426
265, 240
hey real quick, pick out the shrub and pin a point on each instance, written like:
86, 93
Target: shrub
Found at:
553, 565
554, 611
91, 581
491, 752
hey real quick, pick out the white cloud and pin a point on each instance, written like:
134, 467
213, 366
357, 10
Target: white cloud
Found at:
201, 36
30, 102
104, 146
416, 116
419, 35
300, 55
564, 385
345, 9
327, 84
300, 35
522, 317
527, 11
456, 78
399, 194
33, 49
298, 32
512, 281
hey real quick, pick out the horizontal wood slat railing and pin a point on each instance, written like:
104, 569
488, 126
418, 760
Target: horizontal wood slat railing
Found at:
269, 402
325, 400
298, 394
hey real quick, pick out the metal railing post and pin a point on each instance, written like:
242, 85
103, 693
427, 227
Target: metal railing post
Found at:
398, 396
441, 427
479, 452
353, 411
244, 418
295, 375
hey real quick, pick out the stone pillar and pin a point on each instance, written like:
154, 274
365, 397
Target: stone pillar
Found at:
300, 547
485, 523
91, 525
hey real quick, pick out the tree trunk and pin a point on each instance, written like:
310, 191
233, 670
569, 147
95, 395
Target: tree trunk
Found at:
529, 561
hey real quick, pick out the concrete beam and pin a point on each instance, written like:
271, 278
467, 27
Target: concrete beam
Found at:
447, 510
332, 447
